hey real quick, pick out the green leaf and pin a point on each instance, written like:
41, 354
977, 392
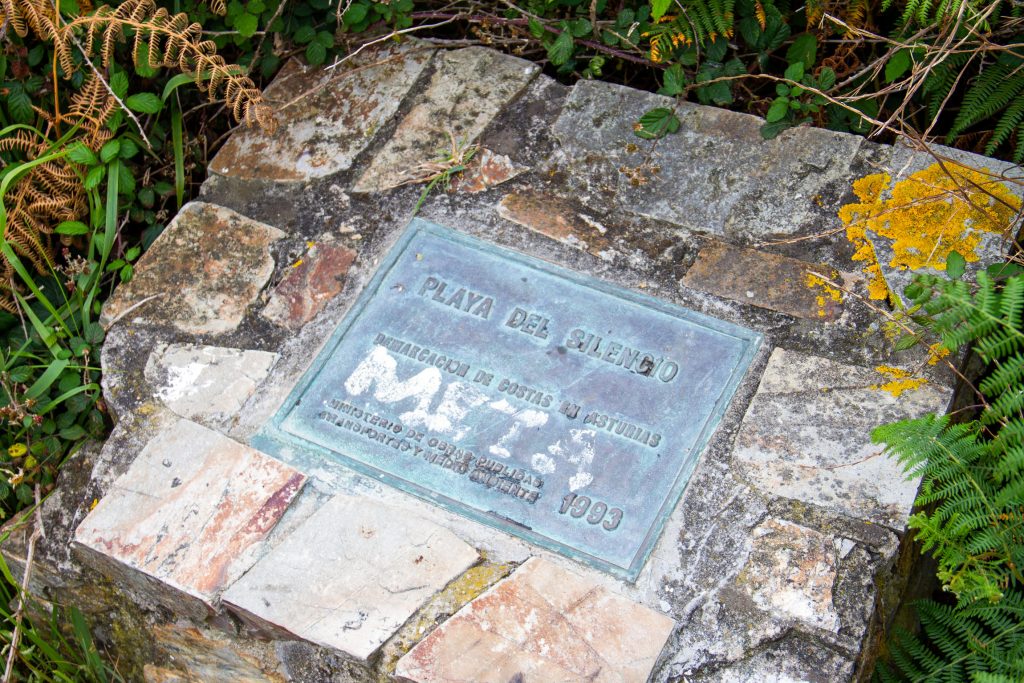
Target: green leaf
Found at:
795, 71
246, 24
142, 67
109, 150
804, 49
72, 228
955, 265
716, 50
145, 103
781, 89
316, 53
560, 51
355, 14
579, 28
93, 177
304, 34
536, 28
897, 65
128, 149
1001, 270
658, 8
772, 130
73, 433
656, 123
19, 104
675, 81
778, 110
826, 79
47, 379
119, 84
80, 154
94, 333
720, 93
325, 38
907, 341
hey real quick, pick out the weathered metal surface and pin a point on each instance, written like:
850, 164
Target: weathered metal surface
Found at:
553, 406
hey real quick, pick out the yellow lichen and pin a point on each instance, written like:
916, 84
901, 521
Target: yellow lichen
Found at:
900, 380
828, 292
926, 217
936, 352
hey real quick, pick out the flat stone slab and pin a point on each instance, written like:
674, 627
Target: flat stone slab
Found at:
716, 175
766, 280
791, 571
208, 384
201, 274
807, 436
542, 624
469, 87
191, 510
325, 117
350, 575
310, 283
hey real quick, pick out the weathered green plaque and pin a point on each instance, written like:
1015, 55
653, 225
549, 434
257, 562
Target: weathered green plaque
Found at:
550, 405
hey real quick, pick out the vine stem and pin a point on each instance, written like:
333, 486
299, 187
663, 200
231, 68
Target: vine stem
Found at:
491, 19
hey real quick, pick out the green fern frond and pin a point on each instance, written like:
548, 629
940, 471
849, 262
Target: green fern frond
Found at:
983, 643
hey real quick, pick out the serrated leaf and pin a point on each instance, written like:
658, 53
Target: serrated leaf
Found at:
94, 177
109, 150
804, 49
142, 67
316, 53
246, 24
657, 123
781, 89
778, 110
561, 50
19, 104
144, 103
772, 130
897, 65
826, 79
94, 333
955, 265
304, 34
80, 154
907, 341
716, 50
795, 71
325, 38
355, 14
580, 28
674, 81
128, 149
119, 84
536, 28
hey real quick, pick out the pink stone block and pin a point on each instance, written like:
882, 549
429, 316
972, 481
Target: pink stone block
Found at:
542, 624
309, 285
191, 511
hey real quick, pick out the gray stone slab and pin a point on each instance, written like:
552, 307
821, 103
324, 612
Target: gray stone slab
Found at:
715, 175
806, 436
468, 88
991, 247
200, 275
207, 384
326, 117
349, 576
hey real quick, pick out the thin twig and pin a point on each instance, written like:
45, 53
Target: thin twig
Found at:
26, 576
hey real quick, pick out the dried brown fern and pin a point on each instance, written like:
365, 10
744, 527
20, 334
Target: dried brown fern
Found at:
52, 192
